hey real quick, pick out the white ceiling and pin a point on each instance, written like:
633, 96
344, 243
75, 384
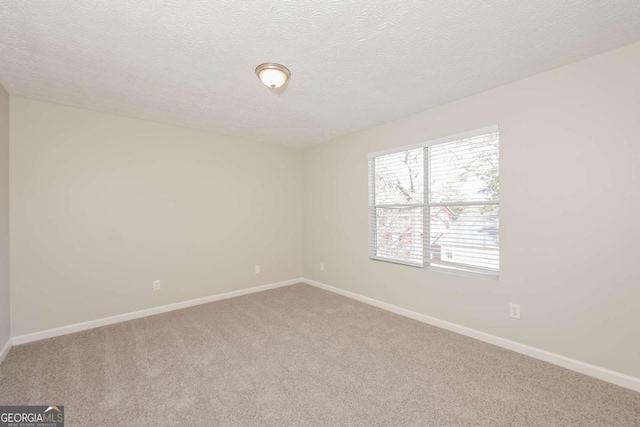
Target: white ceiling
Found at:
354, 63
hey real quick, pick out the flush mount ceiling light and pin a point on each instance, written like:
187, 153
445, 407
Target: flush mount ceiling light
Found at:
273, 75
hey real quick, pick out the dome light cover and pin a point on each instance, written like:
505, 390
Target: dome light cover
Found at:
273, 75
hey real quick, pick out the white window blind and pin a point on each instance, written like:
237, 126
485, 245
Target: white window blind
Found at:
437, 203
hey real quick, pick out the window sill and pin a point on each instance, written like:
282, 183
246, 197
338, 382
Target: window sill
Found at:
439, 269
393, 261
464, 273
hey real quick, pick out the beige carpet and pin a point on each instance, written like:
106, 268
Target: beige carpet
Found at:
299, 356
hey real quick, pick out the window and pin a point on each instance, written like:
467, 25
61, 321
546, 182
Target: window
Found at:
437, 204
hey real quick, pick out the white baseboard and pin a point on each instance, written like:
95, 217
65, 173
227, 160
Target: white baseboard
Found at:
64, 330
604, 374
5, 350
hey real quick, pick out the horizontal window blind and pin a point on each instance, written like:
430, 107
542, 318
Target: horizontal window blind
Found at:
437, 204
397, 206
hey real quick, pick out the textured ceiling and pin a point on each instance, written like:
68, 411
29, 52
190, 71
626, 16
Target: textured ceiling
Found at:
354, 63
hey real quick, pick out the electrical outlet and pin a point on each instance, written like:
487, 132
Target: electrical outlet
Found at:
514, 310
257, 269
156, 285
322, 266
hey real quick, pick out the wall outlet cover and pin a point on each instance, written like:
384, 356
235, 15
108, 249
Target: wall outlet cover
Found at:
514, 310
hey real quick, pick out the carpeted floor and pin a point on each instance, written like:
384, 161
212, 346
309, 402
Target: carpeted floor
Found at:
299, 356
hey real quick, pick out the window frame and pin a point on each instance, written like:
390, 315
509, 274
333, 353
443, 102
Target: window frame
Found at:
426, 205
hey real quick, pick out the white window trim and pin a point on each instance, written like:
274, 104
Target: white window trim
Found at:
456, 269
456, 137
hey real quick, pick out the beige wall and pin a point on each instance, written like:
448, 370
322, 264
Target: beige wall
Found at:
5, 320
570, 234
102, 205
